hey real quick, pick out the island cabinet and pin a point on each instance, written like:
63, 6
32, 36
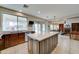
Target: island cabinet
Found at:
42, 44
9, 40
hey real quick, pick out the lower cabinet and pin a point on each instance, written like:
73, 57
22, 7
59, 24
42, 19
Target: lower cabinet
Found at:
1, 44
21, 38
10, 40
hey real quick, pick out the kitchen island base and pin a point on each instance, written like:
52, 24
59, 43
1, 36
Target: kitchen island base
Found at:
44, 46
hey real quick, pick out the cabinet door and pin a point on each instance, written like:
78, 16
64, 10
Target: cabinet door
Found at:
1, 44
74, 26
7, 41
13, 39
21, 37
78, 27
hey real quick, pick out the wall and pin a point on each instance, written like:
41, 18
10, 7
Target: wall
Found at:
0, 21
30, 17
12, 12
75, 20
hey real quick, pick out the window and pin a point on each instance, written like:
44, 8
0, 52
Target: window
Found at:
13, 23
22, 23
9, 22
43, 28
37, 27
56, 27
51, 27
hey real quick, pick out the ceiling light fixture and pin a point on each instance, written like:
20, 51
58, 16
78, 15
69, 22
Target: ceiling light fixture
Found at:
38, 12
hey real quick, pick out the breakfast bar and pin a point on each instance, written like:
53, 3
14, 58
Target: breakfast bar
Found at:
42, 43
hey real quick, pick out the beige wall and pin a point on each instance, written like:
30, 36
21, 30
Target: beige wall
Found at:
33, 18
29, 17
0, 21
75, 20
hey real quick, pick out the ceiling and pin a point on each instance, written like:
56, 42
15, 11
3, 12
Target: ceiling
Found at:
47, 11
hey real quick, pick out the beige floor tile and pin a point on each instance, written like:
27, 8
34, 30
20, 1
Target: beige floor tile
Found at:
66, 46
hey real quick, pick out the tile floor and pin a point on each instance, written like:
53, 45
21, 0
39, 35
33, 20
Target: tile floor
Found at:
66, 45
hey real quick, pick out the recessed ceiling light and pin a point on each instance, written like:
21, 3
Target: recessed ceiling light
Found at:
20, 10
38, 12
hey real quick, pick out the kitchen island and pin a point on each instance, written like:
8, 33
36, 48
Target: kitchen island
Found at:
42, 43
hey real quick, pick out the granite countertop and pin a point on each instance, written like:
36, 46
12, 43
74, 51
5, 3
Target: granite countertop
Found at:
41, 36
13, 32
10, 32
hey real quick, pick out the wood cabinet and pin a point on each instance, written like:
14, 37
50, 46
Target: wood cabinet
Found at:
75, 31
1, 44
21, 38
10, 40
75, 27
